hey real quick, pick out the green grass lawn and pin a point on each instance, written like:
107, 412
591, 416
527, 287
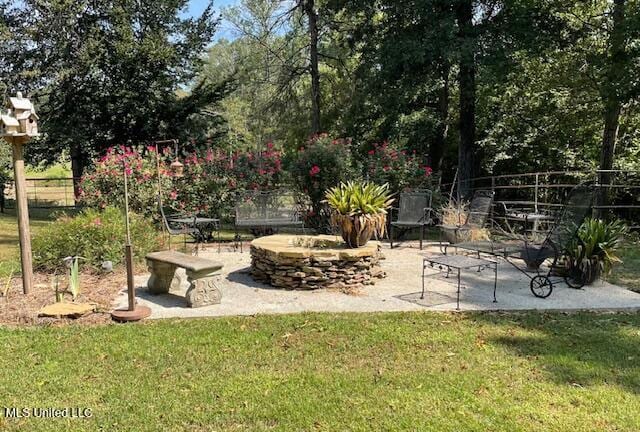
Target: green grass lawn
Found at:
628, 272
9, 242
61, 170
396, 371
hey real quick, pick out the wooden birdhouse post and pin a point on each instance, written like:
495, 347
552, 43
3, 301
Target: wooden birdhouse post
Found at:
18, 124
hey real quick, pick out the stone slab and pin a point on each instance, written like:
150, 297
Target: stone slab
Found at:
68, 310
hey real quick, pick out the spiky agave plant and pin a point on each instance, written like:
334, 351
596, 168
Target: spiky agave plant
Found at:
359, 210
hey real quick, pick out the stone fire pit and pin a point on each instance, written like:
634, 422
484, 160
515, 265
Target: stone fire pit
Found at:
311, 262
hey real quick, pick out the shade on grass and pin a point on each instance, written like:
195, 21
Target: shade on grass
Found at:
397, 371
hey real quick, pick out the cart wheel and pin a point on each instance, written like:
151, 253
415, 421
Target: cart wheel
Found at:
574, 279
541, 286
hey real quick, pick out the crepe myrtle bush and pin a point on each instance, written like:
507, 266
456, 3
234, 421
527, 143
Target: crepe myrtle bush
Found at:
320, 164
402, 170
208, 186
103, 184
212, 179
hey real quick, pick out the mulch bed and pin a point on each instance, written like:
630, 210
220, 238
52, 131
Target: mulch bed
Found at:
18, 309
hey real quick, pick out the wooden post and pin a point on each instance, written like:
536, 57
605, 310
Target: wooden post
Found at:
23, 213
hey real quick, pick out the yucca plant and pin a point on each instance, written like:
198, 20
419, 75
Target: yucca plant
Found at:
359, 210
592, 252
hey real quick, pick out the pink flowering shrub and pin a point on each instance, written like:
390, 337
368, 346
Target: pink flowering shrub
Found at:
322, 163
208, 186
104, 185
403, 170
212, 178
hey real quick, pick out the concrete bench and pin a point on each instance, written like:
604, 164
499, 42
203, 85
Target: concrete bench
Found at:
201, 275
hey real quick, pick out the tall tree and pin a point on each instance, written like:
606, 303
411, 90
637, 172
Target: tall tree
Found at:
107, 73
467, 149
613, 92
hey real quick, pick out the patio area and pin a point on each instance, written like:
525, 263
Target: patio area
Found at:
399, 291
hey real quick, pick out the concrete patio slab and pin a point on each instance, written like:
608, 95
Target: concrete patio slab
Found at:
400, 291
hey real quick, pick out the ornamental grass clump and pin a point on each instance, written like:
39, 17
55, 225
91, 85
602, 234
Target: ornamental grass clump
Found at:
359, 210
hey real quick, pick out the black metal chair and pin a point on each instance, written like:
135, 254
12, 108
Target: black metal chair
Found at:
575, 210
476, 216
178, 228
414, 211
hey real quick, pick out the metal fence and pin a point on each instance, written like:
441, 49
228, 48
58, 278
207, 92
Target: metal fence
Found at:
549, 189
44, 193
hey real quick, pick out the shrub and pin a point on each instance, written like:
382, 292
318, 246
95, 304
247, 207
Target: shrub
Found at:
104, 185
398, 168
212, 179
593, 251
318, 166
94, 235
207, 187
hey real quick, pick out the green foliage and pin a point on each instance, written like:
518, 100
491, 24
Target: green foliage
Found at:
321, 164
359, 198
401, 169
94, 235
108, 73
6, 172
73, 263
594, 251
208, 186
103, 186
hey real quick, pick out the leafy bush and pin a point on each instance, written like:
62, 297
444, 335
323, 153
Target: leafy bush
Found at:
318, 166
398, 168
207, 187
104, 185
94, 235
592, 253
212, 179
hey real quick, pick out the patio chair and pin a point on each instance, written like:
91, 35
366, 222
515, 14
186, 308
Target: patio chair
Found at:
575, 210
414, 211
475, 218
177, 228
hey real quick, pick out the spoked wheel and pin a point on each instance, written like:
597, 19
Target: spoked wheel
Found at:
574, 279
541, 286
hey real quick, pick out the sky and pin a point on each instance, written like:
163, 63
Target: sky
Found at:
197, 6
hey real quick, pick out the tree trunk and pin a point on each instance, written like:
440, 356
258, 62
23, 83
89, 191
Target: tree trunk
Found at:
436, 151
467, 167
312, 16
77, 169
612, 104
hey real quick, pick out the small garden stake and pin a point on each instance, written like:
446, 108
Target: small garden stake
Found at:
133, 312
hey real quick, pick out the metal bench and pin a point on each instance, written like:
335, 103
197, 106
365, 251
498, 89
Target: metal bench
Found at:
201, 275
266, 209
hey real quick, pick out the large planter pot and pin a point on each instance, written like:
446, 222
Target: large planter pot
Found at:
356, 239
356, 235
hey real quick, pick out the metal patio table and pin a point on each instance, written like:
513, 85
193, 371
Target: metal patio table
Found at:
446, 263
205, 226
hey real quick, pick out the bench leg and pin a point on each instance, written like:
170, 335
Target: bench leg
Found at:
203, 290
162, 277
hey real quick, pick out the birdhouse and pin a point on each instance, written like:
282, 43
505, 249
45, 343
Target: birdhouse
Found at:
9, 125
20, 119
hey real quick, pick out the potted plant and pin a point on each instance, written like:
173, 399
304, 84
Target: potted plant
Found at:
359, 210
592, 253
